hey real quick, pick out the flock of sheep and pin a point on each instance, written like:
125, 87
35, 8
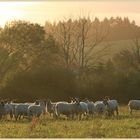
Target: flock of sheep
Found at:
73, 109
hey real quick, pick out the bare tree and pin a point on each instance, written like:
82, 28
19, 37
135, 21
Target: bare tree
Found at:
64, 34
79, 39
90, 36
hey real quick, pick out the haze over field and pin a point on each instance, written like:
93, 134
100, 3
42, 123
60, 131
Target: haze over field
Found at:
57, 10
70, 63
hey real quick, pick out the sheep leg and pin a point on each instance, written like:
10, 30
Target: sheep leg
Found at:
80, 116
117, 111
87, 115
77, 115
108, 113
70, 116
19, 116
16, 118
130, 111
11, 115
112, 113
54, 115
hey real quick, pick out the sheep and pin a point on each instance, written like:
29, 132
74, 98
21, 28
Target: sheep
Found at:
100, 107
8, 110
112, 105
69, 109
91, 107
134, 105
36, 109
50, 107
82, 108
13, 107
20, 110
64, 108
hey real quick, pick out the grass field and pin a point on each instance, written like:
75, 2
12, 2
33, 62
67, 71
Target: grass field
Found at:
124, 126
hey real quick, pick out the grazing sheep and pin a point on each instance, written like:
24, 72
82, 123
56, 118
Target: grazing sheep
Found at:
13, 107
50, 107
37, 109
134, 105
112, 105
20, 110
8, 110
82, 108
91, 107
100, 107
64, 108
69, 109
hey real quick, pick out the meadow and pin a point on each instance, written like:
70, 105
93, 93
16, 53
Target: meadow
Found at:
123, 126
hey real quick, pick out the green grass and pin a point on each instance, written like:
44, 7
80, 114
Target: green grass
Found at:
124, 126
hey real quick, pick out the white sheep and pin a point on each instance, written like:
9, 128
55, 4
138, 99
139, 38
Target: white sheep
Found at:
8, 110
100, 107
37, 109
20, 110
69, 109
112, 106
63, 108
82, 108
91, 107
51, 107
134, 105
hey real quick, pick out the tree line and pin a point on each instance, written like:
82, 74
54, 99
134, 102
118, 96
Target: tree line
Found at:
66, 59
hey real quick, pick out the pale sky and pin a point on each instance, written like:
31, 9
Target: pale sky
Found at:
58, 10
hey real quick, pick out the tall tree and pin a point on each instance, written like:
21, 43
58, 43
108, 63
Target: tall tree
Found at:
24, 39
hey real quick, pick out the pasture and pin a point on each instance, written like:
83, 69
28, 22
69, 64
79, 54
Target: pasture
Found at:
123, 126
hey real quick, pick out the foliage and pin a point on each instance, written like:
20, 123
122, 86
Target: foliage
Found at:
68, 59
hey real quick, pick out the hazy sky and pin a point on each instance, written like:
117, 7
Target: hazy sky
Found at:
56, 10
